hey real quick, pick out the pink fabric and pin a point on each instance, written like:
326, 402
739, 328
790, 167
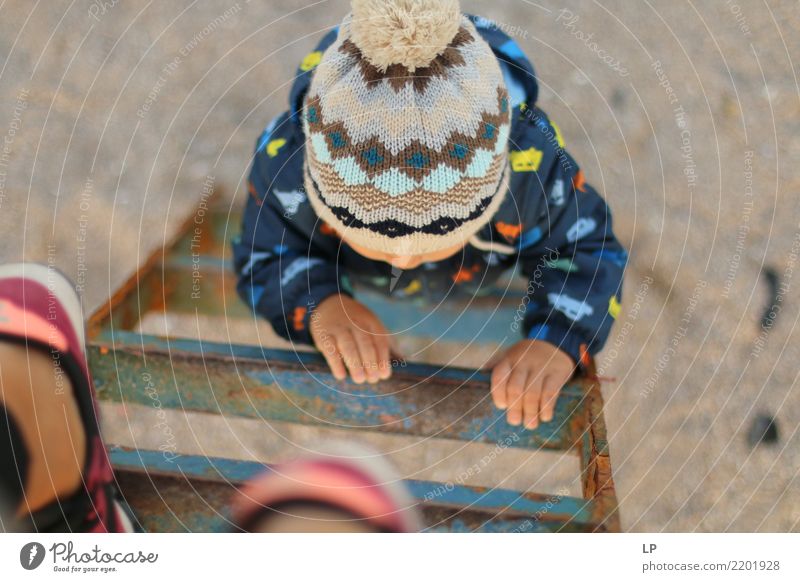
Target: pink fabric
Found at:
338, 483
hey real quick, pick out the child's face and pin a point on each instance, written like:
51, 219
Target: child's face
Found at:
402, 261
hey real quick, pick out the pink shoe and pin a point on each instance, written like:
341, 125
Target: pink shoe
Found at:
365, 489
40, 308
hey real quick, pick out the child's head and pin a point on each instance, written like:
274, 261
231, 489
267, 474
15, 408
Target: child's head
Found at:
407, 121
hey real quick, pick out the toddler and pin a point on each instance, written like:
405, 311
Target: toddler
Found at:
413, 152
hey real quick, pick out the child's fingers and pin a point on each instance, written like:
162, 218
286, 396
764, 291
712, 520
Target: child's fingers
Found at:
395, 353
500, 375
368, 353
531, 400
550, 389
383, 346
335, 363
349, 350
388, 343
514, 391
384, 357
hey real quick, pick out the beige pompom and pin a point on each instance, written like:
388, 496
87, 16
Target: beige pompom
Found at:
406, 32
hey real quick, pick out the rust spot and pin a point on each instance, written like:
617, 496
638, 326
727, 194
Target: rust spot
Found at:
251, 393
604, 379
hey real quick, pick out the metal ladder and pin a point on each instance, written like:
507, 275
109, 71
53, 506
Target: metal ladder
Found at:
191, 492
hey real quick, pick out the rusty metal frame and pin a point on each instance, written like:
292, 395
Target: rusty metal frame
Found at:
118, 356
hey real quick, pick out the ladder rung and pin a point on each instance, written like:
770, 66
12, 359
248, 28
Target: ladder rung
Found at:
193, 493
248, 381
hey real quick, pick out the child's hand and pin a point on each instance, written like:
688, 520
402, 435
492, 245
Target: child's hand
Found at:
526, 381
350, 335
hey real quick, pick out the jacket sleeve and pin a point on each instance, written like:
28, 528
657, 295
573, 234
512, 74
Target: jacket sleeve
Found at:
575, 271
283, 273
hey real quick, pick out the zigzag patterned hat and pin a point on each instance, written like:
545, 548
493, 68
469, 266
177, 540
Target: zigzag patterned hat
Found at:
407, 121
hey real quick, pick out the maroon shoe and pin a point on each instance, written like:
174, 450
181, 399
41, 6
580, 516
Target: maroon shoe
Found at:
40, 309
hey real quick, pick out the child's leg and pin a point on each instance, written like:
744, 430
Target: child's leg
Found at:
60, 478
42, 416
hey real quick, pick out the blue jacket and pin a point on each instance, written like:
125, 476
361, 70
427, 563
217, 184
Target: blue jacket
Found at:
554, 227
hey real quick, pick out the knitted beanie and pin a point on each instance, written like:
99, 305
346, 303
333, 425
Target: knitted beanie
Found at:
407, 121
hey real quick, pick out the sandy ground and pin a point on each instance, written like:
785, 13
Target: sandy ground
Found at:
685, 114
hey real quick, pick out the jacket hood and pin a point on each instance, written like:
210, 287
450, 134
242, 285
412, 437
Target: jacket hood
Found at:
504, 47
